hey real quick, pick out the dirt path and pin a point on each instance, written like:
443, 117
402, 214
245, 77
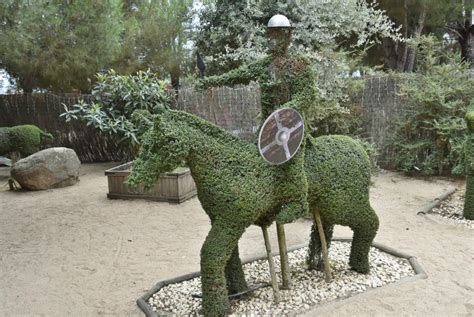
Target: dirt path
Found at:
73, 252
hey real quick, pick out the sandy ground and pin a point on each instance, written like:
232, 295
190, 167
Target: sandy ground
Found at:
73, 252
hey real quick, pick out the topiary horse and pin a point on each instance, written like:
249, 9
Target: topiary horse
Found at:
237, 188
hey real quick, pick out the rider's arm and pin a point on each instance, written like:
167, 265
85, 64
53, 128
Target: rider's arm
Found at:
242, 75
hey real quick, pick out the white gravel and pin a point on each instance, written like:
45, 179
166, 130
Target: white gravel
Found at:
309, 288
452, 209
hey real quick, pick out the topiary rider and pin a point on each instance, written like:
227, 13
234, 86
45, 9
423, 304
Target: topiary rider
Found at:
286, 81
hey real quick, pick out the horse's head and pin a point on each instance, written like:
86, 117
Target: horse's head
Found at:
163, 148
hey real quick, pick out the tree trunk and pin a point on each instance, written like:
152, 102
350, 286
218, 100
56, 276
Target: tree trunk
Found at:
403, 48
466, 41
395, 53
174, 74
390, 53
411, 52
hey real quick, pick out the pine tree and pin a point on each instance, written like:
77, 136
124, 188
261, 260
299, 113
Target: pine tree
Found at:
56, 45
162, 36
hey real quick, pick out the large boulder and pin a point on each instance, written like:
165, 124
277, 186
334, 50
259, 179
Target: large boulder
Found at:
51, 168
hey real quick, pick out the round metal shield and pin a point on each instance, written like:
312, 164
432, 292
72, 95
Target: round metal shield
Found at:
281, 136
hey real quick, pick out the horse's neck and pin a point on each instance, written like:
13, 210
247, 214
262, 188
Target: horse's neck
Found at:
207, 143
201, 150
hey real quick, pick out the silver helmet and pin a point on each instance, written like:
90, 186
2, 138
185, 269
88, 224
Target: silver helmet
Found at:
279, 21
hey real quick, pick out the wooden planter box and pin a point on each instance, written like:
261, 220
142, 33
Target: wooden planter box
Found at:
176, 186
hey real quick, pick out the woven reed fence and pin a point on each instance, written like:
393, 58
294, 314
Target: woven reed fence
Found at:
378, 105
235, 109
43, 110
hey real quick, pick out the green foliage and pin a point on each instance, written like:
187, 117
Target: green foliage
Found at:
24, 139
58, 45
469, 163
61, 45
233, 32
430, 134
122, 105
417, 17
237, 188
160, 30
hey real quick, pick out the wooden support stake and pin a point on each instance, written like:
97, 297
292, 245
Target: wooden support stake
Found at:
276, 292
322, 238
285, 268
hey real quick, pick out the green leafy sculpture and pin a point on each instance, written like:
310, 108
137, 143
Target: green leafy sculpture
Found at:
24, 139
286, 81
237, 188
468, 212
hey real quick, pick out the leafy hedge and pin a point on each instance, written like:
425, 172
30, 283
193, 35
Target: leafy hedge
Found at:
429, 136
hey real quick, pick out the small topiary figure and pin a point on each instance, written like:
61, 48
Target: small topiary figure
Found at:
24, 139
468, 212
237, 189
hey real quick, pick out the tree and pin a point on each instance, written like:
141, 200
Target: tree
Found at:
463, 31
160, 32
417, 17
58, 45
224, 29
233, 32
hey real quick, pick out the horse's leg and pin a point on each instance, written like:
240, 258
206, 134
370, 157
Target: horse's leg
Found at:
215, 253
364, 234
234, 273
315, 260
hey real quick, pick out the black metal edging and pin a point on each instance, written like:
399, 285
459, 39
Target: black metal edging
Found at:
436, 202
420, 273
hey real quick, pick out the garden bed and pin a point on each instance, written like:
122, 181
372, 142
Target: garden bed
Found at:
176, 186
309, 288
452, 209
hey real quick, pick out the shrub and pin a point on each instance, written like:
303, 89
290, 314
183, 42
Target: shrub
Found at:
430, 134
117, 98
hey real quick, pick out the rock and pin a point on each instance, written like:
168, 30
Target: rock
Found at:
5, 161
51, 168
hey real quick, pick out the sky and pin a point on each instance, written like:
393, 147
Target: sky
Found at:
4, 82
